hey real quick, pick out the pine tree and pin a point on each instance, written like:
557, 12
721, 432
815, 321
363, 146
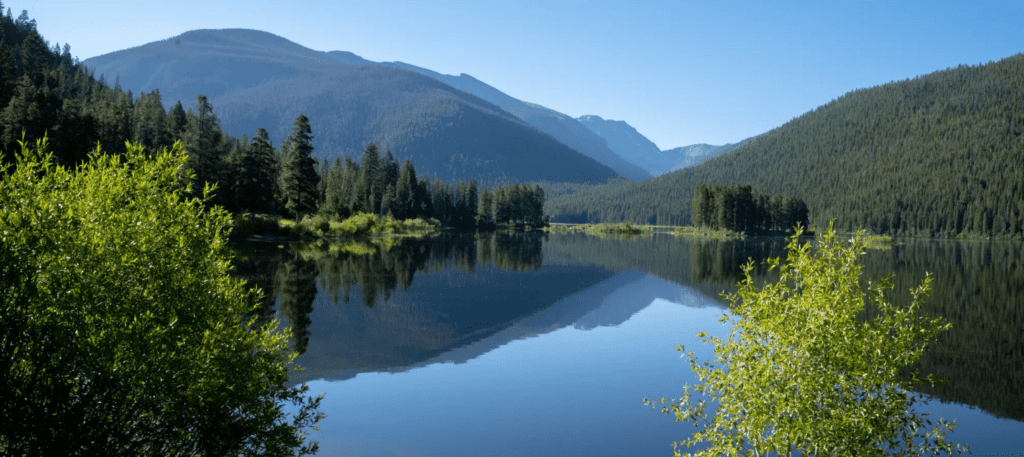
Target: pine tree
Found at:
148, 121
202, 139
335, 199
8, 80
367, 184
471, 204
485, 207
299, 179
404, 195
261, 189
175, 122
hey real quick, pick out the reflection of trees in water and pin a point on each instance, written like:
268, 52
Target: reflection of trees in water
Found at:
706, 265
257, 264
377, 272
977, 286
721, 261
515, 251
296, 279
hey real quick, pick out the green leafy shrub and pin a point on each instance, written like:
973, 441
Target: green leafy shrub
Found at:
122, 331
801, 370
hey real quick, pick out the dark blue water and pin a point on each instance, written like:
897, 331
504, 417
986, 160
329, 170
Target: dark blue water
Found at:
547, 358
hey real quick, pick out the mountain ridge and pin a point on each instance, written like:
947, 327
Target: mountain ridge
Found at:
560, 126
257, 79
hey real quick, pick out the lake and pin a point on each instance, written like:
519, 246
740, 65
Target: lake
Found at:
546, 344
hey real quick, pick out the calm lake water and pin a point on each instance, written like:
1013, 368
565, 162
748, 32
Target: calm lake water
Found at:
546, 345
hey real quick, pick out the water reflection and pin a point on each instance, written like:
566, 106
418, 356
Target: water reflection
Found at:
978, 286
354, 309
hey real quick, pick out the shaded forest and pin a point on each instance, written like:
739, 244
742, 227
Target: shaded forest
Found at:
938, 155
739, 209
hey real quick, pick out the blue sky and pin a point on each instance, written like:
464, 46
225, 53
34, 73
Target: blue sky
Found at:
680, 72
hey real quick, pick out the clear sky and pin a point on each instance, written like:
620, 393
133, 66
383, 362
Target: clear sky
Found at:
680, 72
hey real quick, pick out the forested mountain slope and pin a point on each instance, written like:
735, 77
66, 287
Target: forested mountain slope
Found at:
255, 79
564, 128
941, 154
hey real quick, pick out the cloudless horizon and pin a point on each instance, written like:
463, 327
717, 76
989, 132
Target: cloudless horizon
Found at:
679, 72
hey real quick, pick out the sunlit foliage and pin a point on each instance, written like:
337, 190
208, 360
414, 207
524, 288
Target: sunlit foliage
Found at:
800, 371
121, 332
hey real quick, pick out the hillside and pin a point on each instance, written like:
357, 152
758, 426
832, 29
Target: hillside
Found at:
563, 128
255, 79
937, 155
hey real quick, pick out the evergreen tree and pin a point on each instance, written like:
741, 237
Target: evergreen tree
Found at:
404, 196
8, 80
388, 202
485, 207
350, 174
389, 169
31, 110
335, 199
299, 179
35, 58
148, 121
176, 121
367, 186
472, 202
202, 139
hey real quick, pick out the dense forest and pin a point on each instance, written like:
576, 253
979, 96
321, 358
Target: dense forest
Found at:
938, 155
46, 92
377, 185
739, 209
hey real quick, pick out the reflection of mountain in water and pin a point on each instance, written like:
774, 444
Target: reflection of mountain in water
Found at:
476, 293
607, 303
706, 265
444, 309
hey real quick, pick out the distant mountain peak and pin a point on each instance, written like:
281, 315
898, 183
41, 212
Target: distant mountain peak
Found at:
635, 148
243, 38
349, 58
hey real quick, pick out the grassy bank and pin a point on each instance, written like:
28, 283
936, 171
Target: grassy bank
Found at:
319, 226
702, 232
626, 229
620, 229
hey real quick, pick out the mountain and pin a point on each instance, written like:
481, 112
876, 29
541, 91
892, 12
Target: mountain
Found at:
560, 126
696, 154
636, 149
938, 155
257, 79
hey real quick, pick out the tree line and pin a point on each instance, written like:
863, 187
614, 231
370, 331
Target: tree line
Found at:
739, 209
376, 184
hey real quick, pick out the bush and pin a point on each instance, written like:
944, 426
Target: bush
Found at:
801, 370
122, 331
